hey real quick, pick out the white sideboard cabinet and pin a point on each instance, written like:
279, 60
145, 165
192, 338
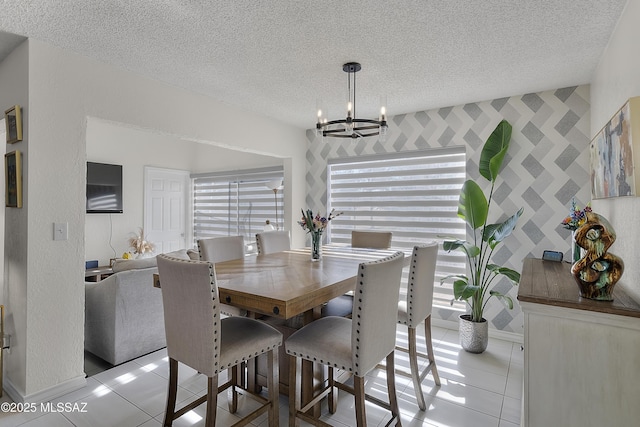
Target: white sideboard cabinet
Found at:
581, 357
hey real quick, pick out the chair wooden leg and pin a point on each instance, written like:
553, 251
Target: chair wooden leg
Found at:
333, 392
415, 371
172, 393
273, 381
294, 391
212, 401
391, 388
358, 388
232, 393
431, 357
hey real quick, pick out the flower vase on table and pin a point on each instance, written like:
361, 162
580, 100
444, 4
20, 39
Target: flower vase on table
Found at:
316, 245
141, 245
315, 225
577, 217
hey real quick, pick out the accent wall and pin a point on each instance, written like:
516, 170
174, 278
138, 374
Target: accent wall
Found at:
547, 165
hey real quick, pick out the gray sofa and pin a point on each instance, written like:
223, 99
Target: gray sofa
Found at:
123, 313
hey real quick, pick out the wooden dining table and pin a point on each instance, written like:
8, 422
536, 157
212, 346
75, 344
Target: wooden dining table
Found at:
289, 286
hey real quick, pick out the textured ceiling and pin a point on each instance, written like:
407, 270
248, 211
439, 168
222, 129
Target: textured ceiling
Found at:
280, 57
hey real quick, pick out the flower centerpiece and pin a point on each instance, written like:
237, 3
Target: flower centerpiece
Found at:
577, 217
141, 246
315, 225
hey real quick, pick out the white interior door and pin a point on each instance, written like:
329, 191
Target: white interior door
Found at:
166, 193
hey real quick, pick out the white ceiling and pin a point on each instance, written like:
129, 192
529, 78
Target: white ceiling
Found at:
280, 57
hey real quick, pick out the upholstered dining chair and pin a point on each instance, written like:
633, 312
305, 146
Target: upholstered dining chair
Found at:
273, 241
354, 345
220, 249
200, 339
416, 309
341, 306
371, 239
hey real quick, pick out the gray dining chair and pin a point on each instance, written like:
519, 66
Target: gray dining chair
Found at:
341, 306
200, 339
273, 241
220, 249
371, 239
354, 345
415, 310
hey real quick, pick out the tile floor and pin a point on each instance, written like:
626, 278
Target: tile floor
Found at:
477, 390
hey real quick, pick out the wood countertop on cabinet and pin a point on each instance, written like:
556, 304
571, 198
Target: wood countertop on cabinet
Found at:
551, 283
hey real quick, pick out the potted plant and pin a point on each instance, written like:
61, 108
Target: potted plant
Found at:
473, 207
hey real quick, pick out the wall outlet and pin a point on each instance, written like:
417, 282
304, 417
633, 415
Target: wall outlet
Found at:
61, 231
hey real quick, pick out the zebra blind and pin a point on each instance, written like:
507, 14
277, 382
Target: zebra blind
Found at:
236, 203
414, 195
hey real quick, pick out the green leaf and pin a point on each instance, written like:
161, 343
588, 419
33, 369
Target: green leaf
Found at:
499, 232
488, 231
308, 218
472, 205
471, 250
494, 151
462, 290
510, 274
454, 276
505, 229
506, 300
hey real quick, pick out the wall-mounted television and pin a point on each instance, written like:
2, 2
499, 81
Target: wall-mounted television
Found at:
104, 188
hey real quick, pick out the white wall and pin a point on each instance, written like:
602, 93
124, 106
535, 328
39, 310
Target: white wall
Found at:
64, 90
14, 89
3, 136
617, 78
133, 149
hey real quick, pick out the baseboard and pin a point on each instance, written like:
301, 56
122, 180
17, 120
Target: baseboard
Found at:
47, 394
493, 333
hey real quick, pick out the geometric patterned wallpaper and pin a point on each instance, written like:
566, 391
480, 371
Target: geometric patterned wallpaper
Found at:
547, 165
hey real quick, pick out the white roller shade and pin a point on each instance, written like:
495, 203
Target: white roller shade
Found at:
414, 195
236, 203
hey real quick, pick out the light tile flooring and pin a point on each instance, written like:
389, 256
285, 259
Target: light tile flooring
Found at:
477, 390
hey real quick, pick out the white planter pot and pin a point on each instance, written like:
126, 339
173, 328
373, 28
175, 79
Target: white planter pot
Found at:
474, 336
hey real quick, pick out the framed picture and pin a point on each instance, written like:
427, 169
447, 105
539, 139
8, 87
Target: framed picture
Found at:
13, 179
615, 152
13, 120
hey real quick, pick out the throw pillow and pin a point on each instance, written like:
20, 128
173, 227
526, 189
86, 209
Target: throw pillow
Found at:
193, 254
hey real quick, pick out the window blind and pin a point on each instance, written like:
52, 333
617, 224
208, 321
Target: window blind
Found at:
414, 195
236, 203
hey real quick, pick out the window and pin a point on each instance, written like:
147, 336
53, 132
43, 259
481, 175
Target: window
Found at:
413, 194
236, 203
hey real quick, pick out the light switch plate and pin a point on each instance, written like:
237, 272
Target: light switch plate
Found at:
61, 231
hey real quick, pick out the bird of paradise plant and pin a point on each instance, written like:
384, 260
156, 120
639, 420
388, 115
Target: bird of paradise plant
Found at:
473, 207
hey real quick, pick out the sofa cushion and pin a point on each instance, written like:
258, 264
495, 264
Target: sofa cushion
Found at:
133, 264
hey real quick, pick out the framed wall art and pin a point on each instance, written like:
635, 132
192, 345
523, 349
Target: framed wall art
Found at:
13, 179
615, 153
13, 121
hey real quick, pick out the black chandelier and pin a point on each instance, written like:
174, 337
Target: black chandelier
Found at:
352, 127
